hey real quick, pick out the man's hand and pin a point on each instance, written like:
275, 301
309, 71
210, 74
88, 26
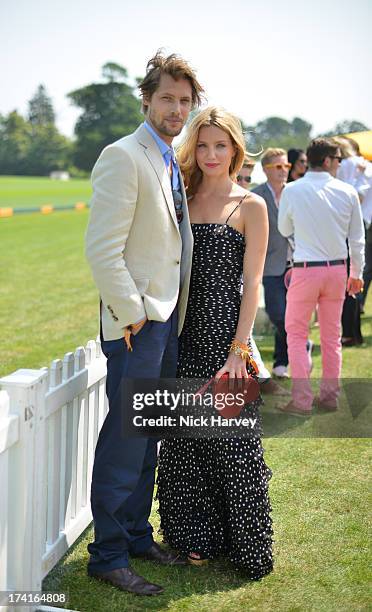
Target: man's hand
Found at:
136, 327
132, 330
354, 285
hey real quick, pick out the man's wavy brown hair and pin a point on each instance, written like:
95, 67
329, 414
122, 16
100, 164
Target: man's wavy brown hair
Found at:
177, 68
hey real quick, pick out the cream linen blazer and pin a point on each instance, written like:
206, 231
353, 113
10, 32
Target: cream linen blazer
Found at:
139, 256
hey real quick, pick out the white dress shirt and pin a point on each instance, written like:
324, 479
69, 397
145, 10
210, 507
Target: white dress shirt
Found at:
351, 170
322, 212
366, 194
289, 238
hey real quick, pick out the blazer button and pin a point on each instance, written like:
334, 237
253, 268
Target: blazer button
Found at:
177, 262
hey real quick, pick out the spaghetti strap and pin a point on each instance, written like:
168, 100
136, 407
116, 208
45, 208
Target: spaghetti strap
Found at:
236, 208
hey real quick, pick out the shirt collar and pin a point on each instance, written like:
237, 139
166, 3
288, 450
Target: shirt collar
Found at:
164, 148
314, 175
273, 192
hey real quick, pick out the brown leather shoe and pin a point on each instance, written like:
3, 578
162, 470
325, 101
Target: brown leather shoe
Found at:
270, 387
325, 406
291, 408
126, 579
161, 556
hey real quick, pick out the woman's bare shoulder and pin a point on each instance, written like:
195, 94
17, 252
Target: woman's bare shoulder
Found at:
254, 200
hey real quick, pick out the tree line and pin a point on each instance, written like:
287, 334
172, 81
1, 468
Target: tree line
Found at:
110, 109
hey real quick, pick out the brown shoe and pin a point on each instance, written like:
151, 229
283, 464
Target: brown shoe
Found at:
325, 406
161, 556
270, 387
291, 408
126, 579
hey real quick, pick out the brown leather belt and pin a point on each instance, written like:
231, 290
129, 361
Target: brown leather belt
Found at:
313, 264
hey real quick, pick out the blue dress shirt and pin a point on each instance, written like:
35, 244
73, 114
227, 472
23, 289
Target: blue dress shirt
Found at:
168, 154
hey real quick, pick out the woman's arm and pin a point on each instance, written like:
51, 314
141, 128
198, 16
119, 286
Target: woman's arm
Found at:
256, 231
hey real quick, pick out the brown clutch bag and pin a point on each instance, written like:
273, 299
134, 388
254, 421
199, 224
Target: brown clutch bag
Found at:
231, 396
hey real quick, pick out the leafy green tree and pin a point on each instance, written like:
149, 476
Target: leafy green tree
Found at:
301, 131
110, 111
278, 132
112, 71
48, 150
40, 108
15, 135
31, 149
347, 127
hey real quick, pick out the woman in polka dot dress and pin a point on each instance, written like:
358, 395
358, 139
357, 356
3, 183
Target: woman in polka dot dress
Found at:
213, 493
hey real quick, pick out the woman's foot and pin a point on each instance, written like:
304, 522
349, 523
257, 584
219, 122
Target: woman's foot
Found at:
196, 559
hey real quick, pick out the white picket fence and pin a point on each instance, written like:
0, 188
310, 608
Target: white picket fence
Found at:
49, 424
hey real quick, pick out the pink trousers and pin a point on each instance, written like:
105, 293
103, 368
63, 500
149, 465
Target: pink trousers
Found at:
309, 287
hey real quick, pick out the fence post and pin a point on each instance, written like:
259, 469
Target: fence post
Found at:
9, 434
26, 390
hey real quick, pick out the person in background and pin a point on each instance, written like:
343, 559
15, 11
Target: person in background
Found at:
244, 177
357, 171
322, 212
298, 160
351, 171
352, 166
279, 254
367, 274
267, 384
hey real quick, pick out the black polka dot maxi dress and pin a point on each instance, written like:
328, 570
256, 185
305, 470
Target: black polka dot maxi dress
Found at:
213, 493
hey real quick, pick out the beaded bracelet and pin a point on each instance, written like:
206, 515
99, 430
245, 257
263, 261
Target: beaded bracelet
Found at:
243, 351
240, 349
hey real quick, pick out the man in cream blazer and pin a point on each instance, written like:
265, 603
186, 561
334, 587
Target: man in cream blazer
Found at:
140, 256
140, 249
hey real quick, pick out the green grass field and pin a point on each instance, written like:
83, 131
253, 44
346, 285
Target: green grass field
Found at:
48, 306
48, 303
30, 191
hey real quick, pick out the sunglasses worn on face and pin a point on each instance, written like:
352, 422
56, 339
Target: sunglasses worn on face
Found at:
246, 179
278, 166
338, 157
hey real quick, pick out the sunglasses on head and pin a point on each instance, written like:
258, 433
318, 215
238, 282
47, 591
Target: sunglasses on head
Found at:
278, 166
246, 179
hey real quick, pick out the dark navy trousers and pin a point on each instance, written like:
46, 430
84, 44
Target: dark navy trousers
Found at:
124, 468
275, 305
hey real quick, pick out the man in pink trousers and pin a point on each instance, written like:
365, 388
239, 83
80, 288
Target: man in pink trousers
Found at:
321, 212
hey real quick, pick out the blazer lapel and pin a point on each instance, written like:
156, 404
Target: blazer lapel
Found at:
273, 207
156, 160
184, 226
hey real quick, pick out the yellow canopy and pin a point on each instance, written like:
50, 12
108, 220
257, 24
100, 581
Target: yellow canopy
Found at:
364, 140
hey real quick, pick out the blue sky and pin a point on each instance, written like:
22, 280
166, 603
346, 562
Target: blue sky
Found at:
268, 57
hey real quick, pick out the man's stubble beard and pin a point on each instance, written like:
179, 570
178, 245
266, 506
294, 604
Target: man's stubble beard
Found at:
162, 128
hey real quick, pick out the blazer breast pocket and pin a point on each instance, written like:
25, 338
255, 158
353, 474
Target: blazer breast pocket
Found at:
141, 284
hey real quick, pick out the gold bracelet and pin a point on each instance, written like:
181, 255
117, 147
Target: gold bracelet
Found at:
243, 351
239, 349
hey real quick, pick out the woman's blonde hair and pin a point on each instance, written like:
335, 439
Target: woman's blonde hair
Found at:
230, 124
345, 145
